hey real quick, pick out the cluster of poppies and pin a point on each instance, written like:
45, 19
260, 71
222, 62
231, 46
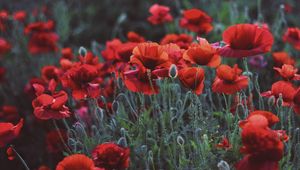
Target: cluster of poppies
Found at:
140, 64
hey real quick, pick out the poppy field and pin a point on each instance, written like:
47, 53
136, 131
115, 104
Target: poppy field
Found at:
150, 85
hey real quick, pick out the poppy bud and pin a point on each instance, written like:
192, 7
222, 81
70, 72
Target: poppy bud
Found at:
279, 101
180, 140
82, 51
173, 72
223, 165
271, 101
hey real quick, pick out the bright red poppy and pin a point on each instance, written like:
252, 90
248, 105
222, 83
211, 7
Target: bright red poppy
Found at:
284, 88
202, 54
110, 53
182, 40
288, 72
197, 21
260, 118
50, 72
192, 78
175, 55
224, 144
159, 14
76, 162
245, 40
8, 132
67, 53
111, 156
292, 36
281, 58
10, 153
229, 80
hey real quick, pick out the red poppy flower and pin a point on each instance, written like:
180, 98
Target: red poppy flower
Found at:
260, 118
281, 58
50, 106
286, 89
76, 162
292, 36
192, 78
8, 132
182, 40
229, 80
134, 37
43, 43
138, 80
4, 46
197, 21
3, 19
150, 55
175, 55
159, 14
50, 72
111, 156
125, 51
67, 53
10, 154
224, 144
263, 149
39, 27
202, 54
53, 141
296, 101
245, 40
82, 79
110, 53
288, 72
20, 15
9, 113
288, 8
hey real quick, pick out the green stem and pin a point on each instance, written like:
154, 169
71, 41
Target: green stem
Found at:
19, 156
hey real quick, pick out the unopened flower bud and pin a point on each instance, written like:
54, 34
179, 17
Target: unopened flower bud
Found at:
173, 72
271, 101
82, 52
223, 165
180, 140
279, 101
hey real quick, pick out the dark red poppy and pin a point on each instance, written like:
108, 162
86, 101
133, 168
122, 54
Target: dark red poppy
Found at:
245, 40
43, 43
50, 72
50, 106
288, 72
82, 79
4, 47
8, 132
76, 162
111, 156
292, 36
4, 16
288, 8
281, 58
9, 113
224, 144
39, 27
286, 89
159, 14
10, 154
182, 40
229, 80
197, 21
202, 54
125, 51
20, 15
134, 37
192, 78
54, 141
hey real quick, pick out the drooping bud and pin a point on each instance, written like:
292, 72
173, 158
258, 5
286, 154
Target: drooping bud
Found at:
223, 165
